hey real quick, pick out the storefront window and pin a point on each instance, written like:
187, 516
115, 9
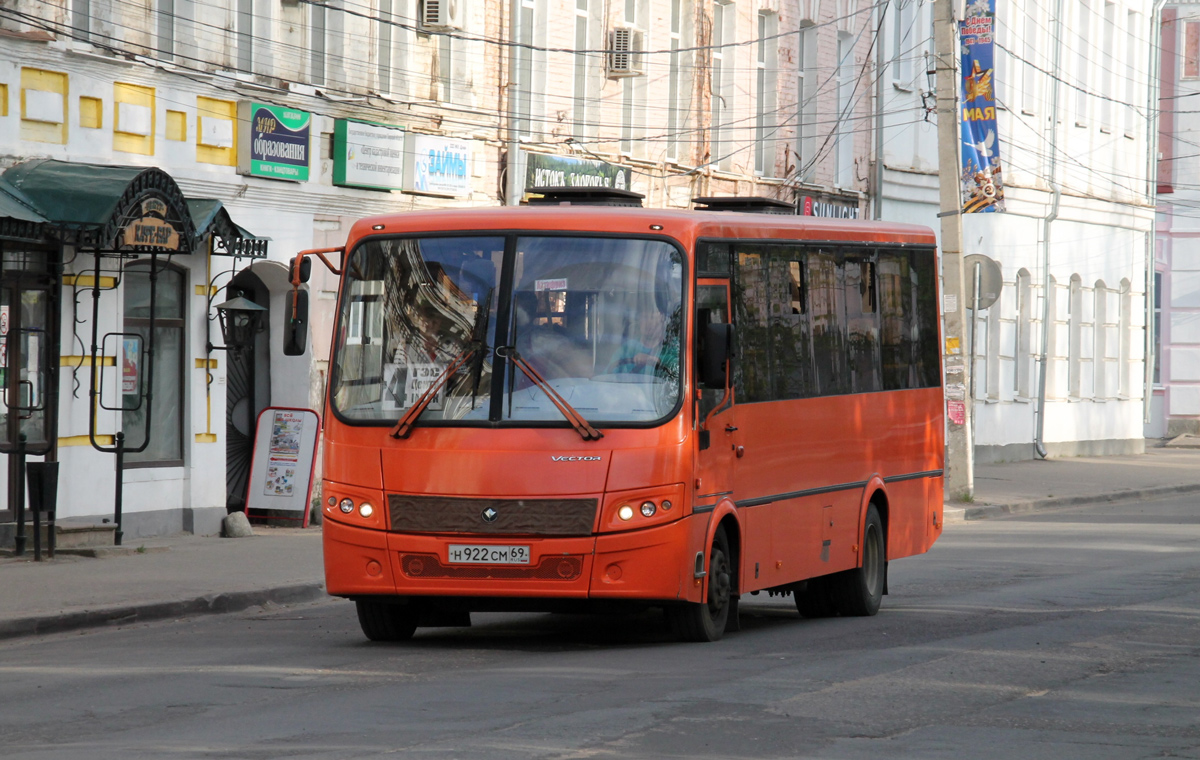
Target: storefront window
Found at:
165, 429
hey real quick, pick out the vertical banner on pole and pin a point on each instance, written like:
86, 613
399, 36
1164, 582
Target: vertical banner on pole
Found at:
982, 188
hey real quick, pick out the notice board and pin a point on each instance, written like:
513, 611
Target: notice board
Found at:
281, 470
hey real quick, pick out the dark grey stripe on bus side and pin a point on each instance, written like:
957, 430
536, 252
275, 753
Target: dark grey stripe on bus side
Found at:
705, 508
830, 489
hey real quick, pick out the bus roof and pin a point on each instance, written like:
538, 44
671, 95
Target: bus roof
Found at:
682, 224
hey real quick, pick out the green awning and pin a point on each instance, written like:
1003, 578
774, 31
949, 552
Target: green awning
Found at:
74, 194
210, 216
14, 207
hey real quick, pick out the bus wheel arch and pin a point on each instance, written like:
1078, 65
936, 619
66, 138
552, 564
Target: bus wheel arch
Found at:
716, 612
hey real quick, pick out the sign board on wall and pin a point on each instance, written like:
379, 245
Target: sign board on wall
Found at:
368, 155
274, 141
438, 166
281, 470
544, 170
828, 206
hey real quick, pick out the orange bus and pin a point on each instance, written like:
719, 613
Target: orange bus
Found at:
578, 407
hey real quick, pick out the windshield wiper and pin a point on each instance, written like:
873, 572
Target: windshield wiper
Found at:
577, 420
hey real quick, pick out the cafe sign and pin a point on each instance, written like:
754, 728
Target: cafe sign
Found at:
150, 230
368, 155
545, 170
276, 141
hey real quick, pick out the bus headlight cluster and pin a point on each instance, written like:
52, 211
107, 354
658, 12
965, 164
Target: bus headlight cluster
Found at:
648, 508
347, 506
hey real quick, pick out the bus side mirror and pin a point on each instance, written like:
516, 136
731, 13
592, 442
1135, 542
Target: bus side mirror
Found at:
305, 265
718, 342
295, 323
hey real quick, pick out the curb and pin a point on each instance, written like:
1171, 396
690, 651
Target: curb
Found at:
986, 511
234, 601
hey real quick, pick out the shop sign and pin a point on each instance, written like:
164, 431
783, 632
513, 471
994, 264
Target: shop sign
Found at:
368, 155
438, 166
276, 141
834, 208
544, 170
149, 231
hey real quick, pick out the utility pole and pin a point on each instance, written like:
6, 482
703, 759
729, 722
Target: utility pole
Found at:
960, 442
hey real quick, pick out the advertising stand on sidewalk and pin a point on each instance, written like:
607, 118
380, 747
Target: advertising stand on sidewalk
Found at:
281, 471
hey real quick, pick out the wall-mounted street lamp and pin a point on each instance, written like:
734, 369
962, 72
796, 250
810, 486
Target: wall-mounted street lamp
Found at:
239, 318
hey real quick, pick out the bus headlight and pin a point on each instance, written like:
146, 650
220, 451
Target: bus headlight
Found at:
365, 509
625, 512
347, 506
648, 509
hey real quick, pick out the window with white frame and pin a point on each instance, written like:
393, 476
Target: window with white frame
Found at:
724, 28
245, 36
1107, 63
1190, 64
675, 82
1100, 340
765, 68
1082, 62
1023, 348
316, 43
1132, 69
633, 95
903, 22
843, 147
523, 70
1075, 336
1125, 339
806, 100
1034, 59
579, 100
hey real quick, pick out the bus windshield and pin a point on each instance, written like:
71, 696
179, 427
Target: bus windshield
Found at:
598, 319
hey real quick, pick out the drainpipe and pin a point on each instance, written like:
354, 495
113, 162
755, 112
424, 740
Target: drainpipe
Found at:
1052, 174
1152, 147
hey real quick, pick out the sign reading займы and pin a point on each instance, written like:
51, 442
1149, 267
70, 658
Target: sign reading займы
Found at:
276, 141
368, 155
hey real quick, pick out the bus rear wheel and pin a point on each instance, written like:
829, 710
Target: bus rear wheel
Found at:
381, 621
859, 592
706, 621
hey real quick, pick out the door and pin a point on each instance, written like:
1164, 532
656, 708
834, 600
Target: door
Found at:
715, 411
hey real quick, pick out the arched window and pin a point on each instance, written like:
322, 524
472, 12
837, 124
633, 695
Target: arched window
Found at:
1100, 386
165, 447
1074, 335
1024, 328
1125, 339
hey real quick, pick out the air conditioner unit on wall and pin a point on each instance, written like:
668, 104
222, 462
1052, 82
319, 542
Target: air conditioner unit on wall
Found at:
440, 14
624, 52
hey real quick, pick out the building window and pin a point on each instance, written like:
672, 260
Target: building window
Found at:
579, 117
1156, 378
765, 66
1107, 62
1033, 58
166, 30
245, 36
1131, 71
316, 43
902, 46
1083, 42
724, 15
674, 81
1191, 50
165, 446
1074, 336
1100, 340
522, 94
806, 100
81, 19
383, 60
1124, 355
844, 139
1023, 349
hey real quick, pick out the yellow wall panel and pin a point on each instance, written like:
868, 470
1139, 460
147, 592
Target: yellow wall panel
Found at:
3, 100
216, 131
91, 112
176, 126
44, 106
133, 118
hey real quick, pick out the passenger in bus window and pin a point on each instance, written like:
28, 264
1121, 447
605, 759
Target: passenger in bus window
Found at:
646, 349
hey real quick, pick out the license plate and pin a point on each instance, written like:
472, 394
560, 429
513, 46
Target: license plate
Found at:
475, 554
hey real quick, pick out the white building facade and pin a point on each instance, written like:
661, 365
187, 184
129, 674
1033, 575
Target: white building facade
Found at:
210, 140
1073, 85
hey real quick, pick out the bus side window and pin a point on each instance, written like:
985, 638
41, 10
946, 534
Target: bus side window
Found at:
712, 307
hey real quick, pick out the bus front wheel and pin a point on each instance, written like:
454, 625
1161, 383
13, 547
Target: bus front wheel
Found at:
707, 620
381, 621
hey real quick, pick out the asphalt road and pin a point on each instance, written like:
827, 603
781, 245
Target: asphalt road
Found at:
1066, 635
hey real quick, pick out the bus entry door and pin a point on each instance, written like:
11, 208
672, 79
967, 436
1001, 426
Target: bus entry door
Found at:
714, 408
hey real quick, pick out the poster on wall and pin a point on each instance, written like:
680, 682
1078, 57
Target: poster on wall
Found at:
281, 470
273, 141
368, 155
131, 359
982, 188
438, 166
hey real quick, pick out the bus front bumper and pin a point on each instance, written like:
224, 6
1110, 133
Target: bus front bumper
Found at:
650, 564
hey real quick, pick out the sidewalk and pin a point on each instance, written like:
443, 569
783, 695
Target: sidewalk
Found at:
185, 575
1018, 487
151, 579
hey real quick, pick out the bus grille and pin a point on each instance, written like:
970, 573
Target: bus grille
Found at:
554, 568
529, 517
